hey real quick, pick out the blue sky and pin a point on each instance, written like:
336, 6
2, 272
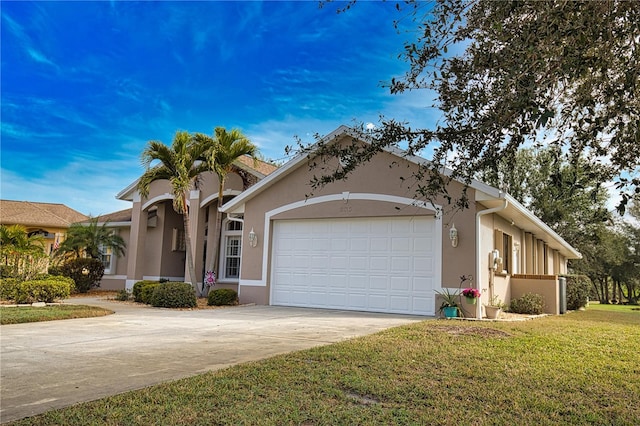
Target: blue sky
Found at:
86, 84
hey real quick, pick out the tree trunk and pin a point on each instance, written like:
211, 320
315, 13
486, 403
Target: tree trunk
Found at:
189, 253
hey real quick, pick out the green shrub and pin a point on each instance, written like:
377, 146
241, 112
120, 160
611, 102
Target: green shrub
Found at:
222, 297
147, 292
54, 270
123, 295
578, 288
9, 288
529, 303
138, 287
173, 295
85, 272
46, 290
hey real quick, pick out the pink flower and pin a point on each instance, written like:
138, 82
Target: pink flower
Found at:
471, 292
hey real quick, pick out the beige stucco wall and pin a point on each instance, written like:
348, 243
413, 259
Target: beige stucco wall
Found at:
547, 287
375, 177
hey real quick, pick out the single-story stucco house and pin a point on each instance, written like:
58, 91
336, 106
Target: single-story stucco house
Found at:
362, 244
47, 220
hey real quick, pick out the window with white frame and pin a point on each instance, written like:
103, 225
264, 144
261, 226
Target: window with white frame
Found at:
230, 250
106, 256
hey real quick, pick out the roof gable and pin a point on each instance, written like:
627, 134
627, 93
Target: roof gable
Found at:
485, 194
256, 167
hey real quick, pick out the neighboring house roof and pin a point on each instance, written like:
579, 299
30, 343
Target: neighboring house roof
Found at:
256, 167
33, 214
486, 195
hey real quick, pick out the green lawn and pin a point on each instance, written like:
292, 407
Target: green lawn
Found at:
18, 315
579, 368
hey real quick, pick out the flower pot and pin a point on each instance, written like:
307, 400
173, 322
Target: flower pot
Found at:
492, 312
471, 300
450, 312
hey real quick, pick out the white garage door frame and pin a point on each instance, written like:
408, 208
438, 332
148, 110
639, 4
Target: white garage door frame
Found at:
402, 201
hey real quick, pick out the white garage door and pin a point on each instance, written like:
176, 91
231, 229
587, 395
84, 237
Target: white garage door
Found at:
366, 264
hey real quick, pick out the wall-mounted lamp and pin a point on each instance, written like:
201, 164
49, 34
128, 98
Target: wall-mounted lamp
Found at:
453, 236
253, 238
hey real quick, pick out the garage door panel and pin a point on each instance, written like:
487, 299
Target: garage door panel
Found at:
358, 282
402, 284
371, 264
379, 244
378, 302
357, 300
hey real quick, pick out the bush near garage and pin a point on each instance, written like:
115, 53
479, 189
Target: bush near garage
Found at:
222, 297
85, 272
529, 303
578, 288
173, 295
48, 289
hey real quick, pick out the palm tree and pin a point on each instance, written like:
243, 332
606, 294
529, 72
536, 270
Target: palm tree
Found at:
91, 240
181, 164
19, 251
227, 147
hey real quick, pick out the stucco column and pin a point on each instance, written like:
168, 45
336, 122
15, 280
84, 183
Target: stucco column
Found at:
194, 233
135, 250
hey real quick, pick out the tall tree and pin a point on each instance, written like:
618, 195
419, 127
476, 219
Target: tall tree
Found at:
181, 165
564, 73
227, 148
91, 240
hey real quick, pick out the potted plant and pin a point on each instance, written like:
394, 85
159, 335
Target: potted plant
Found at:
450, 306
471, 294
494, 308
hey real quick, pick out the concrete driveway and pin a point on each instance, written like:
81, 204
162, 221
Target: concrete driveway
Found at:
55, 364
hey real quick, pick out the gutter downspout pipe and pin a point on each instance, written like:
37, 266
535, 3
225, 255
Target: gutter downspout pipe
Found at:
479, 214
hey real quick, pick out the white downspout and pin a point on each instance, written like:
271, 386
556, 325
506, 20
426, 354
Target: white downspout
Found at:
481, 213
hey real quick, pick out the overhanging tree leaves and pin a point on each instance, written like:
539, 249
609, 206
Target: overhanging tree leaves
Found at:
564, 73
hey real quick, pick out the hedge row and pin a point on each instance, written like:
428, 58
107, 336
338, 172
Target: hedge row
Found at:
165, 295
46, 289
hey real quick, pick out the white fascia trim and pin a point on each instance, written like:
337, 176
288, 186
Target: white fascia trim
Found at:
215, 196
114, 224
127, 193
165, 196
543, 226
340, 197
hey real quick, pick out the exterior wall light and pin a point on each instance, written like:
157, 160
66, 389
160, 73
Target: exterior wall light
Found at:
253, 238
453, 236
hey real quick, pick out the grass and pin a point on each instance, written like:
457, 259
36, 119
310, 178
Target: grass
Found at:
579, 368
22, 314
